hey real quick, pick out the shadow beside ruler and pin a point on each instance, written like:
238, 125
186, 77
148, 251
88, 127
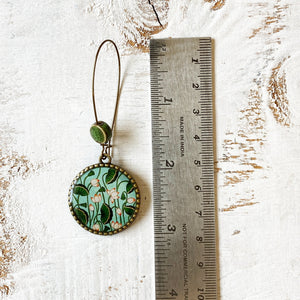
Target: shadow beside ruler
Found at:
183, 168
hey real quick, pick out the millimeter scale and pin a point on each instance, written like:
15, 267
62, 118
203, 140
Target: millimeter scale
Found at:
183, 168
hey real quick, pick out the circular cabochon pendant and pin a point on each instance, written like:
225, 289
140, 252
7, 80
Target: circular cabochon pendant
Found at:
104, 199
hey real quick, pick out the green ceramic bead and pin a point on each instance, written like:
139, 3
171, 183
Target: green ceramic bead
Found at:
101, 132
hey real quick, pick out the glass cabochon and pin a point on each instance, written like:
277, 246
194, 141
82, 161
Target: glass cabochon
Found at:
104, 199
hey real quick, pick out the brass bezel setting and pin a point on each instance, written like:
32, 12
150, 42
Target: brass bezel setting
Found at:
136, 191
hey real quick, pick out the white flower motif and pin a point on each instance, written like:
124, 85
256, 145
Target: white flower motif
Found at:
91, 207
96, 198
113, 194
116, 225
119, 211
95, 182
131, 200
96, 227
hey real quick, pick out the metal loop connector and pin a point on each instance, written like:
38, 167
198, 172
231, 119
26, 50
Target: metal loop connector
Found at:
105, 156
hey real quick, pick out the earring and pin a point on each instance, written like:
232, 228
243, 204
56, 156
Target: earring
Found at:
103, 198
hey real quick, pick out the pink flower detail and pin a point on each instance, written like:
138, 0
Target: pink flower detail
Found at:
95, 182
96, 227
131, 200
91, 207
119, 211
116, 225
113, 194
96, 198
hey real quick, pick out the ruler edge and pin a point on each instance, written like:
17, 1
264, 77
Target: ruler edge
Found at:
214, 153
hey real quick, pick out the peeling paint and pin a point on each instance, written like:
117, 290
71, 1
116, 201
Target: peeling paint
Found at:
242, 202
271, 22
277, 88
136, 22
236, 232
241, 147
234, 206
217, 4
139, 33
12, 243
53, 257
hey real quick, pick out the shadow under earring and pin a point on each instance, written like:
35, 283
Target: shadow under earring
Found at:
103, 198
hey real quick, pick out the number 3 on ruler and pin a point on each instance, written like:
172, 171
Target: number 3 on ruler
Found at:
171, 227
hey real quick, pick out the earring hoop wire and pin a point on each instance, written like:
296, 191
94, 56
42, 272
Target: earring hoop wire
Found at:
119, 77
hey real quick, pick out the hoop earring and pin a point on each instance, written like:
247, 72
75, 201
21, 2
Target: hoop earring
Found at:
103, 198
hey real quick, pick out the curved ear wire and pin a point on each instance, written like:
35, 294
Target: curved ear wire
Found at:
119, 77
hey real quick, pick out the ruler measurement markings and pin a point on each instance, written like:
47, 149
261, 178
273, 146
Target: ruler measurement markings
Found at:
160, 170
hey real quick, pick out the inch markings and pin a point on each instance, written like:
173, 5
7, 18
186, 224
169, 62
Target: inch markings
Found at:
183, 163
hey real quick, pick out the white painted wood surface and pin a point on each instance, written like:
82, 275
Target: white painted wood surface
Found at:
47, 53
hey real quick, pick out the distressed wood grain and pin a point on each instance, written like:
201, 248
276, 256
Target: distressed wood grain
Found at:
277, 88
47, 53
217, 4
136, 21
12, 241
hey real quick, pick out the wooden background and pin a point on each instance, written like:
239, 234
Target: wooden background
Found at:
47, 53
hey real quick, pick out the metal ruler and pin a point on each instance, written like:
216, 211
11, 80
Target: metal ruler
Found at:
183, 168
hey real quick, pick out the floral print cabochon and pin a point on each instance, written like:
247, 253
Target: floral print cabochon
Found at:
104, 199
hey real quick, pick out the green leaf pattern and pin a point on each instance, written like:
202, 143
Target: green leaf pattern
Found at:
104, 199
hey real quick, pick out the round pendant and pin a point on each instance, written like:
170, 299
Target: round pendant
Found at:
104, 199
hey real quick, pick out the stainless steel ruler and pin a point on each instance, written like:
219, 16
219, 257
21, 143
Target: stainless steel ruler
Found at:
183, 168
